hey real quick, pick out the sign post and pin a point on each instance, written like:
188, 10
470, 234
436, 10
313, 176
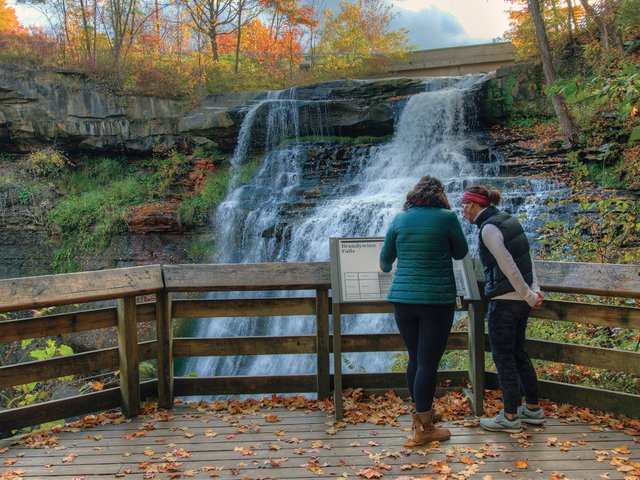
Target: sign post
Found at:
356, 277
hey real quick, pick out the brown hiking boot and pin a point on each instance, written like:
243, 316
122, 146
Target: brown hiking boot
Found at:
425, 431
437, 417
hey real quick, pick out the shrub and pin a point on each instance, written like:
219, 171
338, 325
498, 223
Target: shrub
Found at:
47, 162
196, 209
168, 171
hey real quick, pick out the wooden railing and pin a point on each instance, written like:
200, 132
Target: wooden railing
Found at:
164, 282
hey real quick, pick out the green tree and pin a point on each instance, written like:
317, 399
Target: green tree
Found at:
358, 31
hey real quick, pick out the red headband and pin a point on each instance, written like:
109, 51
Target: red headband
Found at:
481, 200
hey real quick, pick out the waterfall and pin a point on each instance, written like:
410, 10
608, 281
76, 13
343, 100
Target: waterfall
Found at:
434, 136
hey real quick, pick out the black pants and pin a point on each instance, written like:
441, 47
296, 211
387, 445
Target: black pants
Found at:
425, 330
507, 321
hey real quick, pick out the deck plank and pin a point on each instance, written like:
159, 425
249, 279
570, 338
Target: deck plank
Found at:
108, 451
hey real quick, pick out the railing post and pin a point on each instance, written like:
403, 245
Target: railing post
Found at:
322, 343
476, 355
164, 329
128, 354
337, 361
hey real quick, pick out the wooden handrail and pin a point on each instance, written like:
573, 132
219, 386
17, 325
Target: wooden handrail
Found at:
69, 288
246, 276
124, 285
52, 290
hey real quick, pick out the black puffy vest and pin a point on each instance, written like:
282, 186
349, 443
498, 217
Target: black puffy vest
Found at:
517, 245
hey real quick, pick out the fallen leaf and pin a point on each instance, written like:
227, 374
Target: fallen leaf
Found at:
622, 449
370, 473
522, 464
69, 458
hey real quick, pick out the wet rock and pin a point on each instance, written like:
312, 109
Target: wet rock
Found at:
157, 217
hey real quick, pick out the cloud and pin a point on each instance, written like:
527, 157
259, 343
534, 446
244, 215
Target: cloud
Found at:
433, 28
429, 27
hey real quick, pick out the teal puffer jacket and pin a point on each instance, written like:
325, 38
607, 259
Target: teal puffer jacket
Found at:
423, 239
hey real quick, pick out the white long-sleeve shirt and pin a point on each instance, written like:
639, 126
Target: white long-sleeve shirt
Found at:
494, 241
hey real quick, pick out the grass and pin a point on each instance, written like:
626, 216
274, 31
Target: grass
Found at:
93, 209
197, 209
605, 176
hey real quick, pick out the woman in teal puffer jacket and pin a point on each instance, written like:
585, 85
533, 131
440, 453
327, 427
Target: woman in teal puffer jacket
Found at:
424, 238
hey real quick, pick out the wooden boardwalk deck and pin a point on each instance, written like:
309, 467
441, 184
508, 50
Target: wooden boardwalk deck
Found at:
304, 444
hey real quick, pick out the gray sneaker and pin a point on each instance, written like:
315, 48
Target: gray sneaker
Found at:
529, 416
501, 423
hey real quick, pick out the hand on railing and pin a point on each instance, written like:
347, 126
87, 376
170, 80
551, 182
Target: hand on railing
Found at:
540, 300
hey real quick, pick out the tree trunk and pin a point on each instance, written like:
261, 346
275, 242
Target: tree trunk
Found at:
157, 18
609, 36
570, 22
238, 38
85, 31
214, 47
567, 124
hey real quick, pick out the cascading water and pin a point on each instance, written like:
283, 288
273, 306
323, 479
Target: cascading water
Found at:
433, 137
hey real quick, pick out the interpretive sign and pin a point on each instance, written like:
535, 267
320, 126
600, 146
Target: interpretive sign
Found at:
356, 275
360, 276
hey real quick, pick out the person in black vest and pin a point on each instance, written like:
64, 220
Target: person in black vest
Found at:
511, 290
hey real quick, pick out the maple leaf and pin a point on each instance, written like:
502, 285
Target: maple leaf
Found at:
10, 461
272, 418
466, 460
441, 467
210, 433
522, 464
275, 462
244, 451
4, 449
622, 449
370, 473
69, 458
181, 452
274, 446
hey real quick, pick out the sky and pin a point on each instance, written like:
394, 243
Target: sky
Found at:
431, 23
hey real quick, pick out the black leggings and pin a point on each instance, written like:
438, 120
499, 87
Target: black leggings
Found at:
425, 330
507, 320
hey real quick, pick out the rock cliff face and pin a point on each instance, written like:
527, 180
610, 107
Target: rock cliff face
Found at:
39, 107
